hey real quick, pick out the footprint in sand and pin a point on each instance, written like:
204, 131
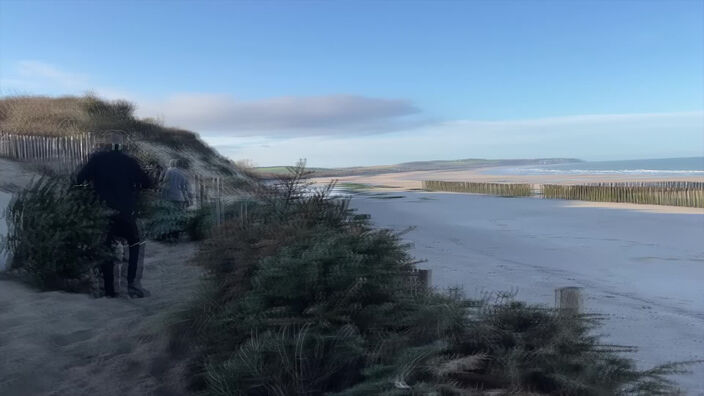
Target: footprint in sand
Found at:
71, 338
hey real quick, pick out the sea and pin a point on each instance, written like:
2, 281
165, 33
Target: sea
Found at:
676, 167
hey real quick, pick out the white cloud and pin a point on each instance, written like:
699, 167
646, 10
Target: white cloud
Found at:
282, 116
39, 72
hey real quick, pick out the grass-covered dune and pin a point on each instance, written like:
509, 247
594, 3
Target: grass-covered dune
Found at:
74, 115
71, 115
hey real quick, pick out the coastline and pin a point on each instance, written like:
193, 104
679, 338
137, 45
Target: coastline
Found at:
413, 181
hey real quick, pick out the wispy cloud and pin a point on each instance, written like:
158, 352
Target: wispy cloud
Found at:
591, 137
284, 116
32, 77
43, 72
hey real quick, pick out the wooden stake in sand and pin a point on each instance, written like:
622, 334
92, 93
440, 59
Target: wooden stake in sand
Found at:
569, 299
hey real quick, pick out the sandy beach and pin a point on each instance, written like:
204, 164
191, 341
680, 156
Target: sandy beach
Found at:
643, 271
413, 180
410, 181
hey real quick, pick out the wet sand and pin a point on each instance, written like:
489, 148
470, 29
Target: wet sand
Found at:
644, 271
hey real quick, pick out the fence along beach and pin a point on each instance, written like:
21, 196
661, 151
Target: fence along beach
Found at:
671, 193
499, 189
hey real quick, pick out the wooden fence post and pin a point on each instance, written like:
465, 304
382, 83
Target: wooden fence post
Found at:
569, 300
424, 278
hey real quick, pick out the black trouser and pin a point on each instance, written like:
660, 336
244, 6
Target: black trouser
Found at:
122, 226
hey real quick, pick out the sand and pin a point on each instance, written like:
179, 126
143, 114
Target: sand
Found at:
56, 343
15, 175
644, 271
409, 181
413, 180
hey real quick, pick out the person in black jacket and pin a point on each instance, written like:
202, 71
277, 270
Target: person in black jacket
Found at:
117, 179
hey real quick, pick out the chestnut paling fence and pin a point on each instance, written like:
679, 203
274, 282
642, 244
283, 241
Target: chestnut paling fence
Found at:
64, 154
674, 193
500, 189
690, 194
61, 153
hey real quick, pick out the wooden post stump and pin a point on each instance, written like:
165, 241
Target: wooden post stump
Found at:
420, 279
424, 277
569, 299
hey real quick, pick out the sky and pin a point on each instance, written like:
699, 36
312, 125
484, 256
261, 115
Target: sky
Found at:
349, 83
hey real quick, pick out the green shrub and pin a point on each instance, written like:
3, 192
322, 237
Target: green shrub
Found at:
199, 223
56, 233
514, 348
306, 297
160, 219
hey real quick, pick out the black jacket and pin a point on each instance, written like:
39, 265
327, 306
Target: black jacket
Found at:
117, 178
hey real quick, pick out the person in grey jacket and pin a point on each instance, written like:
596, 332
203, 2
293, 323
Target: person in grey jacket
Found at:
176, 187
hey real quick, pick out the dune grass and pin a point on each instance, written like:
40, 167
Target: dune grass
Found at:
72, 115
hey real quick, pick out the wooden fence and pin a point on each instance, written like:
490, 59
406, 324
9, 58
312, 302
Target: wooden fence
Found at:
500, 189
63, 153
674, 193
690, 194
209, 191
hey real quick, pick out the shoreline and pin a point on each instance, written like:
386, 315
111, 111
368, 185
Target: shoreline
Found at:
413, 181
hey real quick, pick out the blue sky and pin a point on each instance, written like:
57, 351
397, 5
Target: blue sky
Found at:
345, 83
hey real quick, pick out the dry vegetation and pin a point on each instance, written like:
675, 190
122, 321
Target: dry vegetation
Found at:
76, 115
71, 115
